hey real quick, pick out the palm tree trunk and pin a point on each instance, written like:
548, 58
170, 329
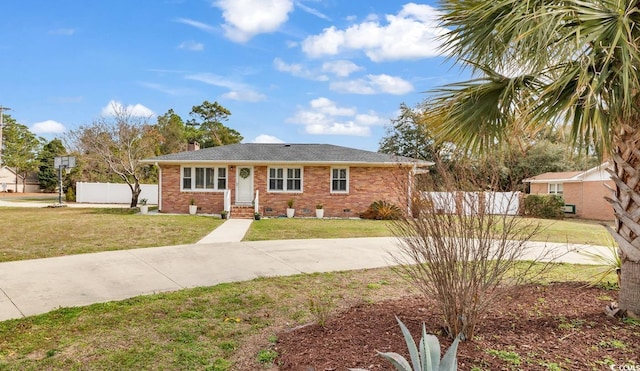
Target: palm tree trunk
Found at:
626, 207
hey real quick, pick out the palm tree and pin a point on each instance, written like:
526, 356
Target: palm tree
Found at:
537, 63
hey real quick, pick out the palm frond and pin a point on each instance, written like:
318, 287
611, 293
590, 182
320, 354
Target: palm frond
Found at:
574, 61
481, 113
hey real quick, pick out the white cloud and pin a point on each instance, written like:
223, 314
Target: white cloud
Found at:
63, 31
138, 110
371, 119
265, 138
238, 91
298, 70
329, 107
411, 34
245, 96
211, 79
246, 18
47, 127
312, 11
199, 25
165, 89
374, 84
342, 68
324, 116
192, 46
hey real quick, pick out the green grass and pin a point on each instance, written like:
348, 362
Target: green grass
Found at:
561, 231
45, 199
201, 328
29, 233
286, 229
573, 231
507, 356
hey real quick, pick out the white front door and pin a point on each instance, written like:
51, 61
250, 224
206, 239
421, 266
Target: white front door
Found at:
244, 185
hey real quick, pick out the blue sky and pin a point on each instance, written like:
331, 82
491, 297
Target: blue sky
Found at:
297, 71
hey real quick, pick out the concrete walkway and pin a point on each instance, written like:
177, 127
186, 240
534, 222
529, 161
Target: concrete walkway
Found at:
32, 287
233, 230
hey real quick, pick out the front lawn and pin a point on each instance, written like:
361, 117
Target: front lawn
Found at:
29, 233
232, 326
561, 231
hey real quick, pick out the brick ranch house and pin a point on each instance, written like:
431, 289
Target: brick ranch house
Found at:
583, 191
243, 178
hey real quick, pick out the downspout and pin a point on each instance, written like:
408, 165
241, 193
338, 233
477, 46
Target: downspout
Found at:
159, 187
411, 175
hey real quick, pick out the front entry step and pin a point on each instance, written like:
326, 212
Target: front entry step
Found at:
241, 212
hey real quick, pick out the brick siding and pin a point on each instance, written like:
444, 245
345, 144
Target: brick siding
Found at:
587, 196
366, 185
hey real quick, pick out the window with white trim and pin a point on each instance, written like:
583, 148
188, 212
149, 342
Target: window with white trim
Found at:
204, 178
186, 178
340, 180
555, 188
285, 179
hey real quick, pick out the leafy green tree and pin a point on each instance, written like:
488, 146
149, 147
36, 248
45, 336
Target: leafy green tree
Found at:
118, 143
20, 150
541, 62
409, 135
47, 174
173, 133
211, 132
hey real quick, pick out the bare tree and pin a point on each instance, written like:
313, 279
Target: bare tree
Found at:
120, 142
459, 249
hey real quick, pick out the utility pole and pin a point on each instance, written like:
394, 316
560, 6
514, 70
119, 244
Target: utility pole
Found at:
2, 109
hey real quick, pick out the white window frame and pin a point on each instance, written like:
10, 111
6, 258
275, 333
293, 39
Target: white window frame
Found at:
346, 190
285, 179
195, 169
555, 188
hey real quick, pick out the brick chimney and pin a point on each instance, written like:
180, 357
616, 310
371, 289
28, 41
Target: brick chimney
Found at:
193, 146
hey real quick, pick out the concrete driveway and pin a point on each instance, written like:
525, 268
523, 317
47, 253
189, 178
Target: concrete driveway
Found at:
37, 286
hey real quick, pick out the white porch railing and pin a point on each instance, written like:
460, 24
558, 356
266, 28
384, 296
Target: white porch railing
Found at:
256, 202
227, 202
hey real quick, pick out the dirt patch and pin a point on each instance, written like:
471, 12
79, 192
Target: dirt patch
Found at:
550, 327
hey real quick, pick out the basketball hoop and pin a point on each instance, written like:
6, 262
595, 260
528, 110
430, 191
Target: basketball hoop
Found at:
66, 163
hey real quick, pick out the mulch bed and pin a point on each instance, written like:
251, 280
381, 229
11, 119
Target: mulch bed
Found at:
552, 327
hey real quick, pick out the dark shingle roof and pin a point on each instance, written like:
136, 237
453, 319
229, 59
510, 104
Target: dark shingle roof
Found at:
283, 153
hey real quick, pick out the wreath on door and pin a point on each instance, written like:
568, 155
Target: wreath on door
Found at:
245, 172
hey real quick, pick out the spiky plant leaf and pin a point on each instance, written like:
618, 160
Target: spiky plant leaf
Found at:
450, 360
411, 345
398, 361
431, 349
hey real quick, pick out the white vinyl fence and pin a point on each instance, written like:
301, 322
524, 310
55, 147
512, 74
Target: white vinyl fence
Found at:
113, 193
502, 203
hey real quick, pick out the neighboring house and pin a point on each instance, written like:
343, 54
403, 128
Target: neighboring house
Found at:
583, 191
264, 177
8, 181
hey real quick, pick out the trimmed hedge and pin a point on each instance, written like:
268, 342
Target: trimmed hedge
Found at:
544, 206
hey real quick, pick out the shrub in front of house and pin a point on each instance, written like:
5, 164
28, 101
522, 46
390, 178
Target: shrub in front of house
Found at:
382, 210
544, 206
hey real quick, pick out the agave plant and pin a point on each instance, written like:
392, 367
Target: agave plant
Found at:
424, 358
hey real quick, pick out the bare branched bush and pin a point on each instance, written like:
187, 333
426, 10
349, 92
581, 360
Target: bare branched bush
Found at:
459, 248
